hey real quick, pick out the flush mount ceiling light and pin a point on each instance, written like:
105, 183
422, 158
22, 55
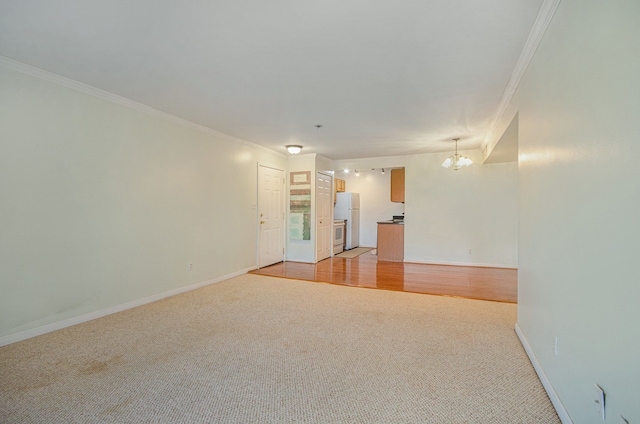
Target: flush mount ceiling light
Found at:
294, 149
456, 160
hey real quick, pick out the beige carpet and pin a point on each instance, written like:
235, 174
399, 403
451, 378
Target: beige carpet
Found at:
350, 254
257, 349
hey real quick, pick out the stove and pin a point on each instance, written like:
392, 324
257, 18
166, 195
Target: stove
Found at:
338, 235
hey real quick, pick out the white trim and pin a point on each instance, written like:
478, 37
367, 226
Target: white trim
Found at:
482, 265
38, 331
547, 10
555, 399
277, 168
123, 101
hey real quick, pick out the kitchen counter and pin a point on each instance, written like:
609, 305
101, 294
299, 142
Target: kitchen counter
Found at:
391, 241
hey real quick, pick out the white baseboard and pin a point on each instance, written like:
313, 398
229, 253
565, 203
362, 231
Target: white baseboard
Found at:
557, 403
482, 265
33, 332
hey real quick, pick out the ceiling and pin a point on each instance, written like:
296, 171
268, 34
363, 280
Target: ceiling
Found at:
382, 78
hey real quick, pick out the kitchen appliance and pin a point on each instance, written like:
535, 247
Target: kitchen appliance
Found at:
338, 235
348, 208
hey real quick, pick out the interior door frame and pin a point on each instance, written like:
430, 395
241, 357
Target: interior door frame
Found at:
256, 207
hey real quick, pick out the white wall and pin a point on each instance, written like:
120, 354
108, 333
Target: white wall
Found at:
579, 109
102, 204
375, 202
449, 212
323, 164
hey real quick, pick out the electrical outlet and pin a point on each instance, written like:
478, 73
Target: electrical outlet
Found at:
599, 400
469, 251
189, 267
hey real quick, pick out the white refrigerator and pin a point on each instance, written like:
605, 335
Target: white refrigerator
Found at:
348, 208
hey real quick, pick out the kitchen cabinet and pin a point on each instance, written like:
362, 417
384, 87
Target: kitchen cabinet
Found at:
339, 187
390, 241
397, 185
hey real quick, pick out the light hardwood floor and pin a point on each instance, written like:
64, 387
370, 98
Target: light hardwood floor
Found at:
496, 284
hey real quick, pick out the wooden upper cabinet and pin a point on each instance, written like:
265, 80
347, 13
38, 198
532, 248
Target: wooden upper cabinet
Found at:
338, 187
397, 185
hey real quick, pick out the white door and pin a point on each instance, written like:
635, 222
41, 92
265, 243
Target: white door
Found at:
270, 216
324, 225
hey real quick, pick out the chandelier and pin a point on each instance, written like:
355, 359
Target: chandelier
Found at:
456, 160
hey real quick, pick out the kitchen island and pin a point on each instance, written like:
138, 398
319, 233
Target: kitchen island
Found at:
391, 241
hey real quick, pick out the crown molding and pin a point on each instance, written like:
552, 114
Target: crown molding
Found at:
123, 101
545, 15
